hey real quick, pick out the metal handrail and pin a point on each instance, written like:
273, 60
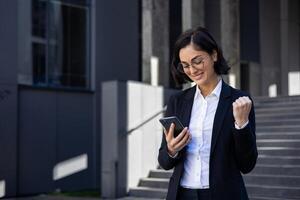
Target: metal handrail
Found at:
147, 120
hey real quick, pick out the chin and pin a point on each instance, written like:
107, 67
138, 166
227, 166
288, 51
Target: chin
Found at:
200, 82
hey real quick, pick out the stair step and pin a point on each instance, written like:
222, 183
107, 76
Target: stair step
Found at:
275, 169
278, 143
273, 180
277, 122
258, 105
148, 192
282, 109
267, 198
278, 151
154, 182
273, 191
269, 100
278, 135
262, 115
272, 116
160, 174
278, 160
289, 128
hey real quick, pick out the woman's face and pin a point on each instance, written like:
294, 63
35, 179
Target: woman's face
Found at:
198, 65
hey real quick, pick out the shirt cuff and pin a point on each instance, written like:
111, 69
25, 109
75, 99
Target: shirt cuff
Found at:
240, 127
174, 155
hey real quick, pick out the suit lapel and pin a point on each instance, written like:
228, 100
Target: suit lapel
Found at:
222, 108
187, 106
223, 105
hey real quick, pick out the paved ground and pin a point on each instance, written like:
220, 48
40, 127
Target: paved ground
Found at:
49, 197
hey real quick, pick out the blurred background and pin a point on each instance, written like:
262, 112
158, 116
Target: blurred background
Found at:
84, 82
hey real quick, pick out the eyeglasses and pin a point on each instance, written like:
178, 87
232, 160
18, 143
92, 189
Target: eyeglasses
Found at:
196, 63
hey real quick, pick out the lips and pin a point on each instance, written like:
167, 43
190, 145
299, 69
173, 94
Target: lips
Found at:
198, 76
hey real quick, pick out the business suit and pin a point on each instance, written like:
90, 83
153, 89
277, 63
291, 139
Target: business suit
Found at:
232, 151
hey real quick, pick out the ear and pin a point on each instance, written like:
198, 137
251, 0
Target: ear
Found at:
215, 56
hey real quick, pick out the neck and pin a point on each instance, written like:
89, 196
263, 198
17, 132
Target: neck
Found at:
207, 89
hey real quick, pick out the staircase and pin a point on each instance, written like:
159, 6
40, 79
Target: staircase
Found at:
277, 172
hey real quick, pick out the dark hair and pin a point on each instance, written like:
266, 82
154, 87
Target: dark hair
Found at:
202, 40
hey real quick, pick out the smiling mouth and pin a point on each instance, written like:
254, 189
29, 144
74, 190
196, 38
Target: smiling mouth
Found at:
199, 75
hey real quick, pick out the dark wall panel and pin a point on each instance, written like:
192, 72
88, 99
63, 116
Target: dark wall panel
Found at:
37, 141
175, 26
8, 95
8, 42
249, 30
117, 40
213, 19
75, 137
8, 138
54, 126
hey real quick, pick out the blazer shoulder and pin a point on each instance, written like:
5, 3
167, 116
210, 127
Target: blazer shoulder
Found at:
239, 93
184, 94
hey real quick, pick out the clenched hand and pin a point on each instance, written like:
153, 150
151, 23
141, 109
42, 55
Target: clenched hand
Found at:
241, 110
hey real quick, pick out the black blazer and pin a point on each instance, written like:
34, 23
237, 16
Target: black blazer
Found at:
232, 151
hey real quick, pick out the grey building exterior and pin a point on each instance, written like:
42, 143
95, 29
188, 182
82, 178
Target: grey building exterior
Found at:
55, 55
46, 120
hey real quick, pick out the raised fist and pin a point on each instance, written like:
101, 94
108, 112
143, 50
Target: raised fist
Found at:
241, 110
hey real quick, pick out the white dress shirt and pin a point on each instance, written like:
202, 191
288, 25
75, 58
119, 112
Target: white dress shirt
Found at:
196, 164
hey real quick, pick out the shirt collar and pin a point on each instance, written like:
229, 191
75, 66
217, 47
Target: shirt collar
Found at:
216, 91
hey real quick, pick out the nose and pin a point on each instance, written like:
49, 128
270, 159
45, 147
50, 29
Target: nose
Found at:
193, 70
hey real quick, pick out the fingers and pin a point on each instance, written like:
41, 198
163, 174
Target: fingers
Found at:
182, 143
242, 103
176, 144
180, 135
170, 134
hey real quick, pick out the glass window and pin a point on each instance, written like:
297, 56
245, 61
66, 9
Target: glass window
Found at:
60, 43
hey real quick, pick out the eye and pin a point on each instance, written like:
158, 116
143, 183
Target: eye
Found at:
184, 65
197, 60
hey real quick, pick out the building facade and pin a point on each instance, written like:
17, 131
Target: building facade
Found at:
55, 55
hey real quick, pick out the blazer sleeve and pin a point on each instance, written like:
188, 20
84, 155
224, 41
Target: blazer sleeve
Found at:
164, 160
245, 144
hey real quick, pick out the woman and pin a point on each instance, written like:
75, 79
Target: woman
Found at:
218, 141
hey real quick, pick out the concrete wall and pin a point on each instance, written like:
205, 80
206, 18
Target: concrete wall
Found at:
42, 129
116, 53
155, 44
143, 101
250, 47
293, 55
126, 157
270, 47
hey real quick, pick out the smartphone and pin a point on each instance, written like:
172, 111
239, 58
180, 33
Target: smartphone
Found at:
167, 121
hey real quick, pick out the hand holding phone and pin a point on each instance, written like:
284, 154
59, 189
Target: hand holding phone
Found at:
176, 138
167, 121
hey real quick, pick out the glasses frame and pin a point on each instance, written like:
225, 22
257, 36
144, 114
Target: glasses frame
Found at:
195, 63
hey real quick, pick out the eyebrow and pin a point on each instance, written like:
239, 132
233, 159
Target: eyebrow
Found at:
198, 56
